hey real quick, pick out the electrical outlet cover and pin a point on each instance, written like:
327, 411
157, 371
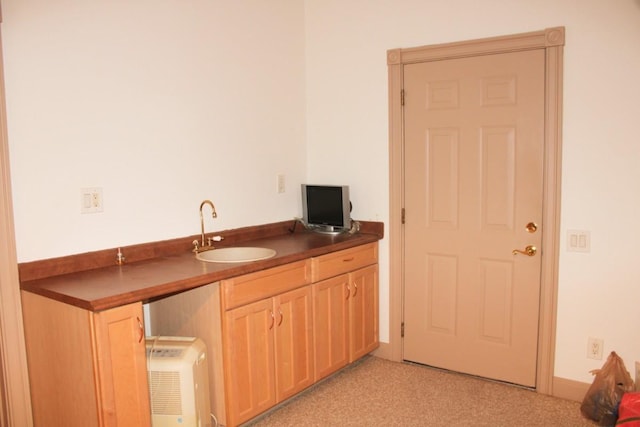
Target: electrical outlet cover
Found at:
91, 200
595, 347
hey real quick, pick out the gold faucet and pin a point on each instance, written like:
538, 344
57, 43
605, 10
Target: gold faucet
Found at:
213, 215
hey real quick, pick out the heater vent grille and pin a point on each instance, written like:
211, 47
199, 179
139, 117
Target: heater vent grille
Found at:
165, 393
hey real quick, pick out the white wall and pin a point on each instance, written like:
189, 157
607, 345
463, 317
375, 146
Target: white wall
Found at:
347, 127
164, 104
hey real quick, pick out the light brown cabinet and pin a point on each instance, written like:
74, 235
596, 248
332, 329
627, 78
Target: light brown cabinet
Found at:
269, 334
272, 333
86, 368
345, 307
267, 343
268, 351
265, 333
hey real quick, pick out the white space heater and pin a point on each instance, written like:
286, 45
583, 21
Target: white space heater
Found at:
178, 382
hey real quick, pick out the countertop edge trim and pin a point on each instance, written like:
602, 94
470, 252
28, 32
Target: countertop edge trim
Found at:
164, 289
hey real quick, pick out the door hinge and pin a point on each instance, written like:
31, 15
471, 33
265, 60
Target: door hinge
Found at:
402, 330
402, 97
402, 216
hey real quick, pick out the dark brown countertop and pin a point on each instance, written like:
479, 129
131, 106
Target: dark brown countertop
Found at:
92, 281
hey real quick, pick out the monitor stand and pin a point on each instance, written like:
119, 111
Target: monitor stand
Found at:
326, 229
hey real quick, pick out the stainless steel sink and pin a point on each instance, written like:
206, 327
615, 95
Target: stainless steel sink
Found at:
236, 254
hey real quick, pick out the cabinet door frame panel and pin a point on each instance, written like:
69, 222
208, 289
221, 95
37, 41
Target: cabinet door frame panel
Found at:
363, 311
121, 362
249, 360
331, 325
294, 362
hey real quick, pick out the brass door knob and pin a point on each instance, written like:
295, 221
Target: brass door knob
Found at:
529, 251
532, 227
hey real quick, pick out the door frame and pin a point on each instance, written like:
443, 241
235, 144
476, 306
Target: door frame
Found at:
552, 41
15, 409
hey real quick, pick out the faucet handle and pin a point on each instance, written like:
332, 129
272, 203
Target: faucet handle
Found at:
212, 239
120, 257
195, 246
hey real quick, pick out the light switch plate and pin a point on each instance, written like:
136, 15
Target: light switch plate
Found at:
578, 241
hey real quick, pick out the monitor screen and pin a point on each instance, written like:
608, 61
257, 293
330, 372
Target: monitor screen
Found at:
326, 206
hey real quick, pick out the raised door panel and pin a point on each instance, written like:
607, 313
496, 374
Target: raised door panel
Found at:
293, 342
331, 325
249, 360
122, 366
364, 311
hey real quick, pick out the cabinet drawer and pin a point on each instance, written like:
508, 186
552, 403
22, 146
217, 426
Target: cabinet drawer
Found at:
251, 287
340, 262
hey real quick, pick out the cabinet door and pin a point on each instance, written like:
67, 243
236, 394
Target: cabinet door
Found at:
249, 361
331, 325
363, 311
122, 366
293, 342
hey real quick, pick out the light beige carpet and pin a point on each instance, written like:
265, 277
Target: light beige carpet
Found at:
377, 392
